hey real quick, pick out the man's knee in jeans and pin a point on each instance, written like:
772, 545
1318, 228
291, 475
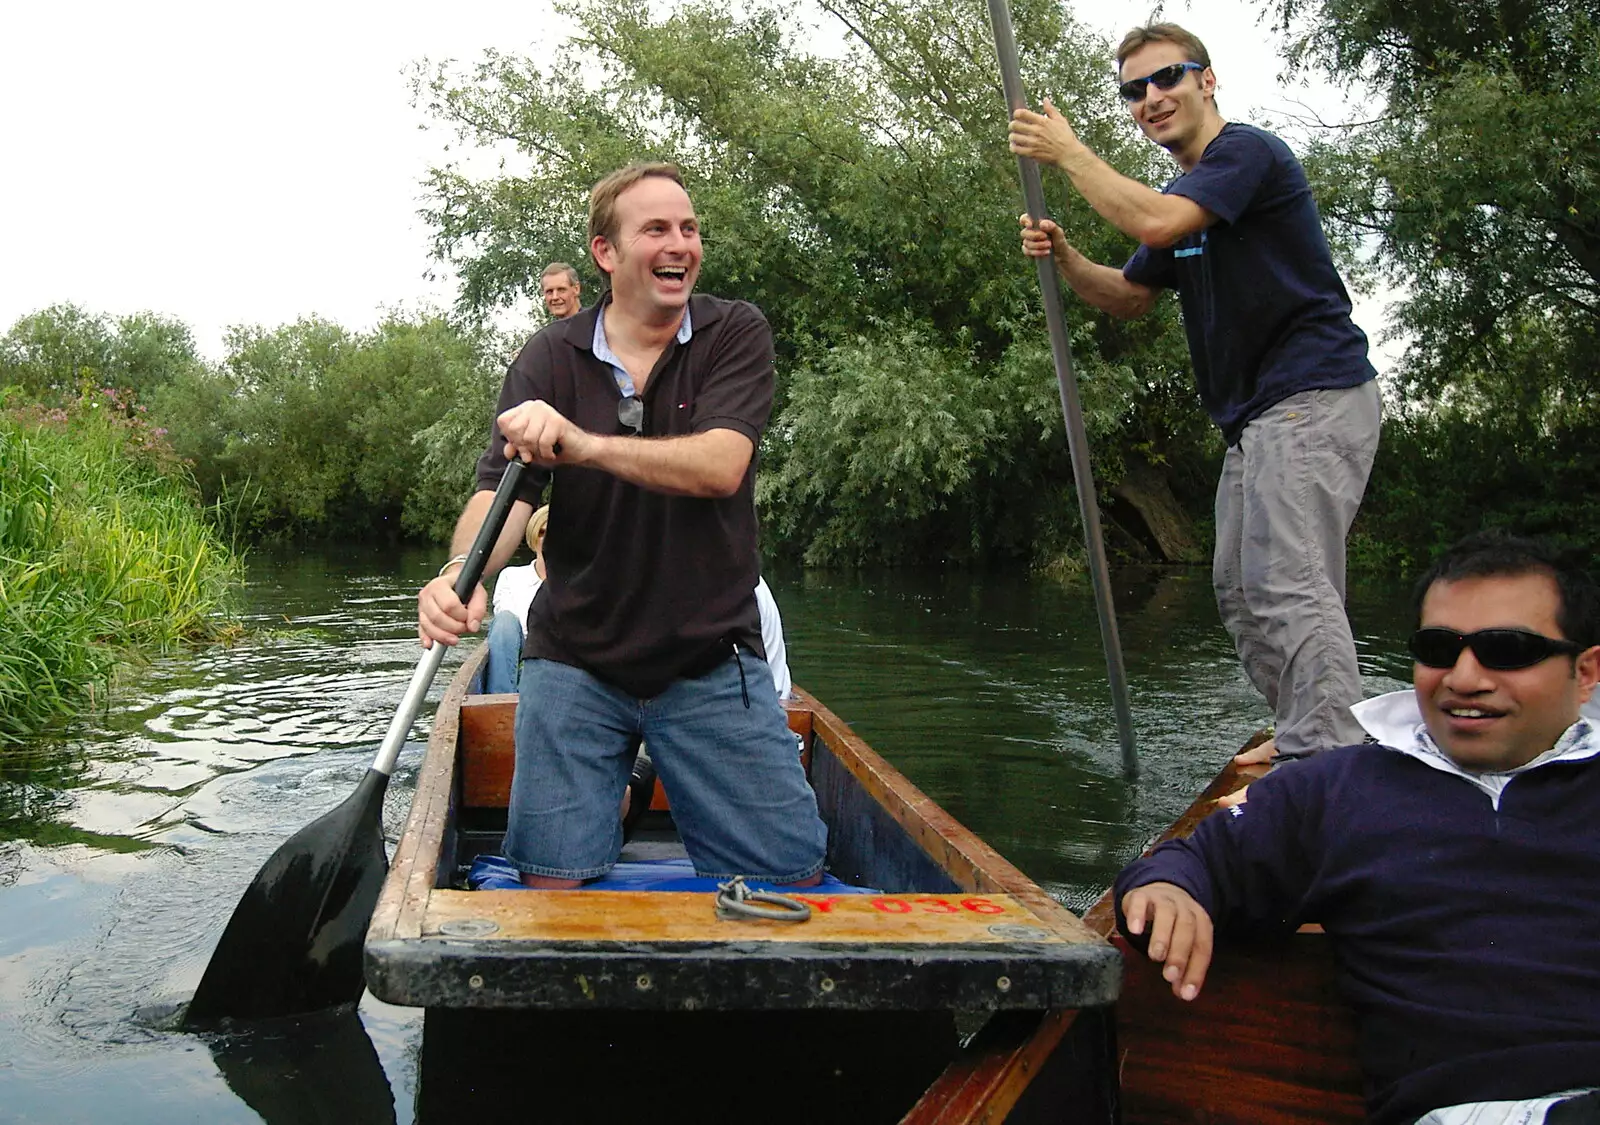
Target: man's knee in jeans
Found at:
504, 662
745, 806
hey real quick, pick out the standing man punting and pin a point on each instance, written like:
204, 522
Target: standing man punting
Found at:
1281, 367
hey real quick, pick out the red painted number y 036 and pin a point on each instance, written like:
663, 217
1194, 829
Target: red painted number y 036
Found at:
936, 906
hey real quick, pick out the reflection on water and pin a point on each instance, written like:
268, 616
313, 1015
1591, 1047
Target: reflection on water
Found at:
312, 1070
125, 842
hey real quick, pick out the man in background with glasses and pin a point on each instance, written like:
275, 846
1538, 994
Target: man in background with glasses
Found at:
643, 413
1456, 862
1281, 367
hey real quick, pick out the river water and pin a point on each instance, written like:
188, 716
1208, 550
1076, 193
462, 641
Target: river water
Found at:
125, 843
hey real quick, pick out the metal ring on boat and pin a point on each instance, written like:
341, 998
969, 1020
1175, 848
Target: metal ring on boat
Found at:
735, 900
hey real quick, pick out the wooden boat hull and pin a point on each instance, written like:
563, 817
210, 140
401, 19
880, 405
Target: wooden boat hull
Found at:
958, 928
875, 990
1270, 1040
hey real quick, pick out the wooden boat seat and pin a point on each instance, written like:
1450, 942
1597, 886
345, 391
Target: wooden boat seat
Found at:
1270, 1040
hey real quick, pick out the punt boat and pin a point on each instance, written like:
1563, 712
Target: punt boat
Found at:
958, 992
1269, 1041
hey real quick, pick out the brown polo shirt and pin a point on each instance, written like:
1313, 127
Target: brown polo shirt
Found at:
644, 588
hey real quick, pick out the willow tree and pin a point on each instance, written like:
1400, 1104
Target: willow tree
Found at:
1479, 179
865, 199
1477, 183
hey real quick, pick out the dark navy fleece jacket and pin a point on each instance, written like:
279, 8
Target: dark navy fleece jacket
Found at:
1468, 936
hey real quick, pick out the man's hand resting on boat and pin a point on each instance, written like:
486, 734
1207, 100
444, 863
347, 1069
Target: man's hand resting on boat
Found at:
1180, 933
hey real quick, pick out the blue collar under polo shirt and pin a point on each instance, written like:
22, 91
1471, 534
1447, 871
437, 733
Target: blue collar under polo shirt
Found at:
602, 350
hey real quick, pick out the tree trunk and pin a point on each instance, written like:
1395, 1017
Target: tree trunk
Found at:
1144, 487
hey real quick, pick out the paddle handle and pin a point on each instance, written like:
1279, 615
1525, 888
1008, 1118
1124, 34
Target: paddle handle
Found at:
1071, 409
466, 581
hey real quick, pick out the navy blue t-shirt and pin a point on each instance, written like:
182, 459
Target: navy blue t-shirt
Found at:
1265, 311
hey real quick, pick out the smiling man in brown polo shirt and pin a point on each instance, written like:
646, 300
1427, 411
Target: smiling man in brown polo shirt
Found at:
644, 413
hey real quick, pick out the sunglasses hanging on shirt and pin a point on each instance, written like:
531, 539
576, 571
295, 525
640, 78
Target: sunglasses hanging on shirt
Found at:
630, 412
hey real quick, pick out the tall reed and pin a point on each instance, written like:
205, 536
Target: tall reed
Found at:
104, 552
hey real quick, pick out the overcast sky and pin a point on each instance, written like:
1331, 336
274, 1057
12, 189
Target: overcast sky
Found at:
229, 164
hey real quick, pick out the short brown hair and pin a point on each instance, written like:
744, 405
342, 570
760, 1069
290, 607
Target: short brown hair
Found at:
560, 267
1163, 33
603, 196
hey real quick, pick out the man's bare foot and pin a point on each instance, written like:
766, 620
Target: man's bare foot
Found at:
1257, 755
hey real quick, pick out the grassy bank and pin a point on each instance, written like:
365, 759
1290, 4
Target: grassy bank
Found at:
104, 552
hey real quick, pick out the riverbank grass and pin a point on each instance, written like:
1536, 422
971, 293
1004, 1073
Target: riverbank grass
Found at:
105, 552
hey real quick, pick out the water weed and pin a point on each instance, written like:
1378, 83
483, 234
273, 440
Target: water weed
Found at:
104, 549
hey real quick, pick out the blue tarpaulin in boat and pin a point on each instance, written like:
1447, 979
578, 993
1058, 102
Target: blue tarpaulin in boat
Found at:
494, 873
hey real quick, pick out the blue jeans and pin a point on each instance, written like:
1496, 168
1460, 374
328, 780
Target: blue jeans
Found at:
505, 654
739, 794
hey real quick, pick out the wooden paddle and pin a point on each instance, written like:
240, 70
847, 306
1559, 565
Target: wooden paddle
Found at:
294, 941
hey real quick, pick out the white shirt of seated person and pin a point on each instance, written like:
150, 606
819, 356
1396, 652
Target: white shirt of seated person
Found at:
516, 586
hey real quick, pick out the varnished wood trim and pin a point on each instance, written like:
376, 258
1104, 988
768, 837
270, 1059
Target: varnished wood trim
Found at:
1270, 1041
982, 1085
973, 865
402, 904
552, 917
488, 750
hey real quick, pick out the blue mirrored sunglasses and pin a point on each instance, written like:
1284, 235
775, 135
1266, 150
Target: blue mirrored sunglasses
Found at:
1133, 90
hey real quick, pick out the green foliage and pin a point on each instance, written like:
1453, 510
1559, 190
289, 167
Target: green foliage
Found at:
102, 548
913, 451
867, 204
1479, 187
1480, 181
446, 454
310, 429
52, 353
1440, 475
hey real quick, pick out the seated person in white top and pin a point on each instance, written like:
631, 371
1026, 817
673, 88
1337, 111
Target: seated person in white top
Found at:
514, 589
772, 640
513, 595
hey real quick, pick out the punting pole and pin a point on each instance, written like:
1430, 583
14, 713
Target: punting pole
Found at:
1071, 409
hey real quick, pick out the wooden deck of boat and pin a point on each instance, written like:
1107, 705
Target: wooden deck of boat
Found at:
1269, 1043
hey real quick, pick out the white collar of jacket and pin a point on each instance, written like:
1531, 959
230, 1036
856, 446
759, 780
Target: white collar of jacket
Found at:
1395, 720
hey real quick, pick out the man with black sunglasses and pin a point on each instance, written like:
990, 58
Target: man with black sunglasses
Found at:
643, 413
1281, 367
1455, 862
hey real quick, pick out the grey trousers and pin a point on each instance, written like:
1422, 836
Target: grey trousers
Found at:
1288, 494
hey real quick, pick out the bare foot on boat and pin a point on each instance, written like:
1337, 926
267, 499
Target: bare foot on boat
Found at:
1257, 755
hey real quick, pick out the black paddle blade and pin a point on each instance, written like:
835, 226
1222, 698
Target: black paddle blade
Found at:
294, 943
